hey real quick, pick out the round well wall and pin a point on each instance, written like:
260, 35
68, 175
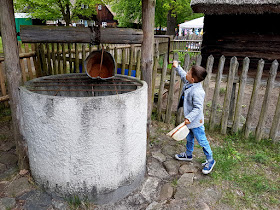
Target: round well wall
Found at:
91, 147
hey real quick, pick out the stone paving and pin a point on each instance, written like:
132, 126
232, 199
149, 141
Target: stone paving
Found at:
169, 184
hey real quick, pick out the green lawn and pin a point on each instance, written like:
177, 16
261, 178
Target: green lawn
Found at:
248, 171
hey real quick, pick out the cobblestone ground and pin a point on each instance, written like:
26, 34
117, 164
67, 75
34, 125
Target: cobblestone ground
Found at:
168, 184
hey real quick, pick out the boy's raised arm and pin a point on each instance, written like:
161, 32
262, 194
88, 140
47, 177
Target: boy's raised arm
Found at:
180, 71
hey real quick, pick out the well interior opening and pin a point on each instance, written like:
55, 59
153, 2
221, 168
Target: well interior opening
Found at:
80, 85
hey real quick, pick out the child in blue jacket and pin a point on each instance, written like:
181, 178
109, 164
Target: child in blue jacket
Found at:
192, 99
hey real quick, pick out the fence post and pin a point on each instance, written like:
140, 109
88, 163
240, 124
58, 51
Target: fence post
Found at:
49, 59
26, 48
64, 67
70, 58
254, 96
198, 60
154, 76
266, 100
77, 70
206, 82
138, 65
161, 87
58, 58
2, 83
54, 60
179, 114
22, 64
38, 63
83, 57
131, 60
239, 101
43, 59
216, 92
232, 71
123, 61
171, 92
275, 123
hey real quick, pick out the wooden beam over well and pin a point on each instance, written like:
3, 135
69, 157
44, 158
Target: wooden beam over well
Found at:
48, 34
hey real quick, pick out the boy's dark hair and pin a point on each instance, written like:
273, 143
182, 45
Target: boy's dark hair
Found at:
198, 73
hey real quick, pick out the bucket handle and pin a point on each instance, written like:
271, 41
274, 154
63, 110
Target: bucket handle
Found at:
101, 60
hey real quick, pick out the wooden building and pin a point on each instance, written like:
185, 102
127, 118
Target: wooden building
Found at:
105, 17
240, 28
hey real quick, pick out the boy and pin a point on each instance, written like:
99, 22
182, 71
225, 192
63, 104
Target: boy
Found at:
192, 98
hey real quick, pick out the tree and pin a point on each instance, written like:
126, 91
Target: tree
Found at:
58, 9
168, 13
129, 12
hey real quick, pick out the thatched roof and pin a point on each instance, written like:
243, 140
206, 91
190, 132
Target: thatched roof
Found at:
235, 6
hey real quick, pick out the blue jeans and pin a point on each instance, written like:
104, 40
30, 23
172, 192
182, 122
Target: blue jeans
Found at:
199, 134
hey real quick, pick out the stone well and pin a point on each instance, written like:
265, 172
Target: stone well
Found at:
86, 137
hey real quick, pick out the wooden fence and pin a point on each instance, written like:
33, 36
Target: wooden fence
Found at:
238, 103
231, 101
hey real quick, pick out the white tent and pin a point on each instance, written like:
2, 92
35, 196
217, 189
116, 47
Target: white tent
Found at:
195, 23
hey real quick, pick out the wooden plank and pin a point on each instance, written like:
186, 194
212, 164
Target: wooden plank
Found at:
254, 96
38, 63
198, 60
70, 58
131, 60
161, 88
54, 69
138, 65
83, 57
43, 59
275, 124
4, 98
171, 93
2, 81
216, 93
206, 82
266, 100
180, 114
116, 58
241, 90
24, 78
33, 34
58, 56
232, 71
154, 74
64, 67
123, 61
76, 59
50, 69
30, 73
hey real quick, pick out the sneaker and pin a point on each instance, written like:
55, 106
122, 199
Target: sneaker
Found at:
203, 164
208, 166
183, 156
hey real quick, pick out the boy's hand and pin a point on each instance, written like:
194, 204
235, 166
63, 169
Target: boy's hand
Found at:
187, 121
175, 64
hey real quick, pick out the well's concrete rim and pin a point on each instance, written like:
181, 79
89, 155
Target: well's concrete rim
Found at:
144, 86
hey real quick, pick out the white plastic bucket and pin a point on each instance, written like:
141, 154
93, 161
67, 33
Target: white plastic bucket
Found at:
180, 132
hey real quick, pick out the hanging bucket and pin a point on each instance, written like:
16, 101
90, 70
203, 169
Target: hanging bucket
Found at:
100, 65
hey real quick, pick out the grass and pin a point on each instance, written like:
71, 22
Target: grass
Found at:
248, 171
5, 114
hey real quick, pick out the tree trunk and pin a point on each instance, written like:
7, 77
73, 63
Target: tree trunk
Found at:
171, 23
148, 19
14, 76
67, 15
